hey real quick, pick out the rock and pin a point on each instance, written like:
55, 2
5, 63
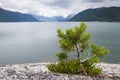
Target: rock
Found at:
110, 69
39, 71
10, 72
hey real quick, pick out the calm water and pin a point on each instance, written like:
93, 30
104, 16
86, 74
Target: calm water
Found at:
38, 42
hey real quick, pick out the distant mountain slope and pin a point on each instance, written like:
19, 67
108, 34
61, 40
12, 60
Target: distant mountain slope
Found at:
51, 19
98, 14
69, 17
9, 16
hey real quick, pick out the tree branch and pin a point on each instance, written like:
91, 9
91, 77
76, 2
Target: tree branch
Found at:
87, 59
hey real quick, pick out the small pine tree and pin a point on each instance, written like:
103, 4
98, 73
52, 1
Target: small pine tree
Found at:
78, 40
75, 39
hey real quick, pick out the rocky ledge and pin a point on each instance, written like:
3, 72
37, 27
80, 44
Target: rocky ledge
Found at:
39, 71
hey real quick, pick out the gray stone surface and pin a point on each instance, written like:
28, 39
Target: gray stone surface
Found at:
39, 71
110, 69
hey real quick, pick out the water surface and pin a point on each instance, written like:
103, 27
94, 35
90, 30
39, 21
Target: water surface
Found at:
38, 41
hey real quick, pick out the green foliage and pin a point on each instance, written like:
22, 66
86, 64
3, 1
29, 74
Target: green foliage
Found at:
74, 67
77, 40
62, 56
118, 62
69, 67
99, 51
74, 36
90, 68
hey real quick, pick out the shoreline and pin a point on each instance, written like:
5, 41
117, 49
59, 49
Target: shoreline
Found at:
39, 71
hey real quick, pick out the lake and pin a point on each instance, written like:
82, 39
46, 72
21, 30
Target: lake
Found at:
28, 42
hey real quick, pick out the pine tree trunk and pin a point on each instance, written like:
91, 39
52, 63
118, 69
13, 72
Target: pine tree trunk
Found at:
78, 56
78, 53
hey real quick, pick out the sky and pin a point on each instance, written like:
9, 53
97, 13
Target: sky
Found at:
50, 8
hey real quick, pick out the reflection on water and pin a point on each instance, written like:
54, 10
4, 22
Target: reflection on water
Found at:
38, 42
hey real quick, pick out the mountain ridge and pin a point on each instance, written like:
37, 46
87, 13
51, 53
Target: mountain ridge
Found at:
104, 14
107, 14
50, 19
10, 16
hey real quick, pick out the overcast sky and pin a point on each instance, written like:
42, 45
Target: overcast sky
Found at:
55, 7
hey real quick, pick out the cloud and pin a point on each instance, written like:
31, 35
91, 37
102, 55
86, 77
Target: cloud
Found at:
100, 1
52, 8
95, 0
61, 3
38, 7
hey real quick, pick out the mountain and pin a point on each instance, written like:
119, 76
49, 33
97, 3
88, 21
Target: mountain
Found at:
45, 19
98, 14
69, 17
9, 16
